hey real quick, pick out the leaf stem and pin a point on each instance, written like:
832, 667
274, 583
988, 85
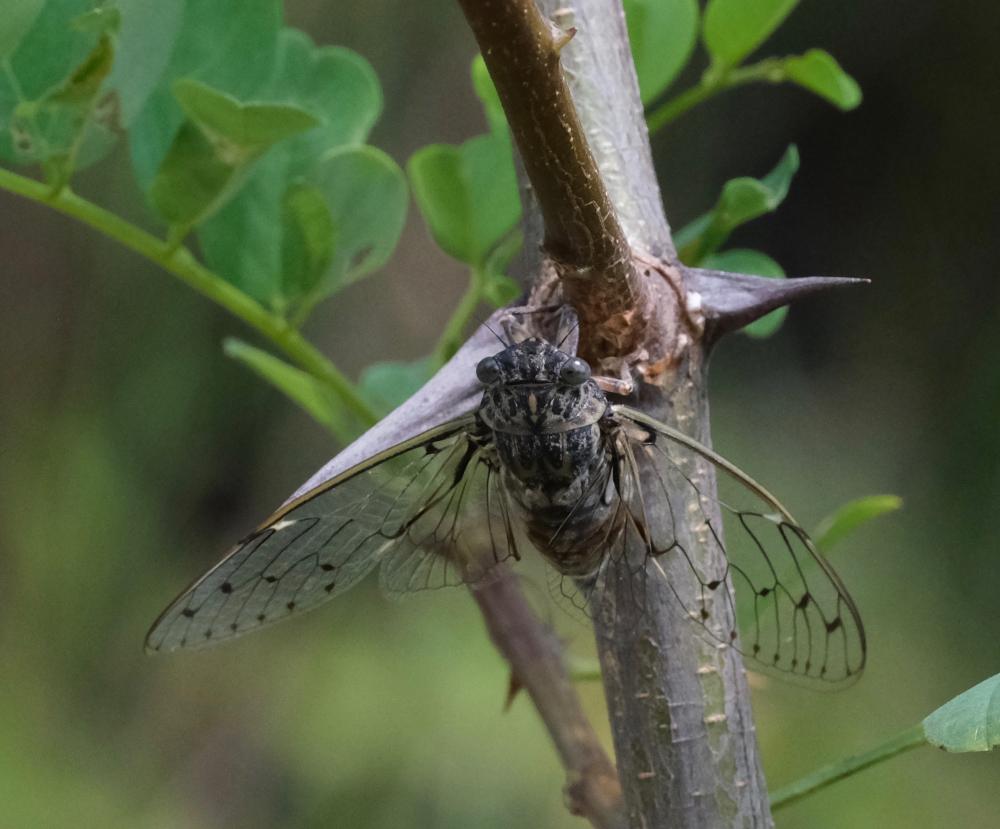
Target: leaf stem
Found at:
822, 777
452, 337
713, 82
180, 262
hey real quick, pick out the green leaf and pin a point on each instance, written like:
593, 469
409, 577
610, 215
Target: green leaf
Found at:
487, 94
207, 162
734, 28
49, 129
45, 51
365, 193
467, 195
246, 240
742, 200
146, 38
229, 44
819, 72
743, 260
240, 131
19, 17
836, 526
193, 180
299, 386
308, 239
388, 385
663, 34
969, 722
144, 34
336, 85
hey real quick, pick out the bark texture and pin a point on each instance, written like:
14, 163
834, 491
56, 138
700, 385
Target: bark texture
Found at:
679, 705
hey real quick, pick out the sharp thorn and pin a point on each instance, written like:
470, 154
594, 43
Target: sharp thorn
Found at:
731, 301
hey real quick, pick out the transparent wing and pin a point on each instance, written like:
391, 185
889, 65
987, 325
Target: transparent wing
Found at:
794, 613
431, 511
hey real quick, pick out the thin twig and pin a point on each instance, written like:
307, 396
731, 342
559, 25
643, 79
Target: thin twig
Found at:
911, 738
535, 657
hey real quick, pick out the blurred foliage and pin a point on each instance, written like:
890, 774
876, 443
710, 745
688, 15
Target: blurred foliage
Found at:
131, 452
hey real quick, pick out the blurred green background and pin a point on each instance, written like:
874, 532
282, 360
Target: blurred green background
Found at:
132, 452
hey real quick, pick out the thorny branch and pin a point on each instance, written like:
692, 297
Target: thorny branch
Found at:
681, 718
582, 236
679, 708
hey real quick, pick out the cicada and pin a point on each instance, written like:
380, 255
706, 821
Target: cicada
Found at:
545, 465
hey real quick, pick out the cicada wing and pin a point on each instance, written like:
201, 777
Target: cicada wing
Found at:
430, 511
794, 614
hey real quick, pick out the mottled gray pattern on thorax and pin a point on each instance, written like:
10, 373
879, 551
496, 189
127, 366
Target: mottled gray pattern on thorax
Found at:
548, 420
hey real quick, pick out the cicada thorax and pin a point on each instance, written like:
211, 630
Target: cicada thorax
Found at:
552, 445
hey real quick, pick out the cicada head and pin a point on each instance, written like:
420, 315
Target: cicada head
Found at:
533, 387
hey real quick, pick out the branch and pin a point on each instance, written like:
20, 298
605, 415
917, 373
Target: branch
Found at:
535, 657
582, 235
679, 706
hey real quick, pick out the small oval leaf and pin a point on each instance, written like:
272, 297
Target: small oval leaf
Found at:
969, 722
663, 34
297, 385
243, 130
841, 523
307, 241
387, 385
819, 72
487, 94
741, 200
468, 194
734, 28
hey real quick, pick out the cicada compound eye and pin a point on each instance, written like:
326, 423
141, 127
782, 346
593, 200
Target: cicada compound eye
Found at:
488, 371
574, 372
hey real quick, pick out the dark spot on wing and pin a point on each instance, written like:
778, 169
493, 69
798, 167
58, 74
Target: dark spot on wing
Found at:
188, 612
833, 625
326, 566
270, 579
328, 588
804, 601
226, 587
290, 605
